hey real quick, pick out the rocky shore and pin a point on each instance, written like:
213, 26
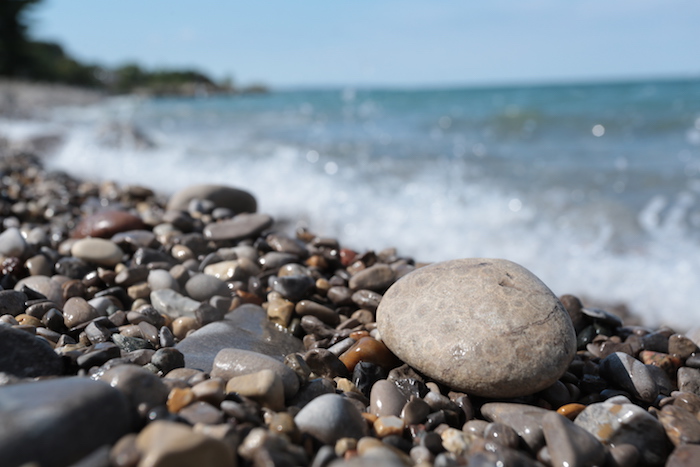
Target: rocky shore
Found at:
140, 330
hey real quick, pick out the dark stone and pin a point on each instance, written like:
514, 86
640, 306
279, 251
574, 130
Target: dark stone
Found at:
365, 374
293, 288
22, 354
100, 355
58, 422
240, 227
73, 267
325, 363
168, 359
12, 302
145, 256
129, 344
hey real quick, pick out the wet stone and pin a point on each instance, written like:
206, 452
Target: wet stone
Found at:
526, 420
415, 411
80, 414
293, 288
325, 314
681, 426
386, 399
631, 375
366, 299
264, 386
157, 279
684, 456
324, 363
168, 359
77, 311
681, 346
368, 349
201, 412
47, 287
616, 421
482, 326
130, 343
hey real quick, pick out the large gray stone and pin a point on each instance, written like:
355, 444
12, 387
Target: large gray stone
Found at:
222, 196
488, 327
23, 354
57, 422
247, 328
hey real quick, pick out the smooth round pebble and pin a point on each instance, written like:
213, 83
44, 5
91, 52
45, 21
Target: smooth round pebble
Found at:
98, 251
487, 327
330, 417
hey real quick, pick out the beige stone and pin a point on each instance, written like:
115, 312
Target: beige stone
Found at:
487, 327
264, 386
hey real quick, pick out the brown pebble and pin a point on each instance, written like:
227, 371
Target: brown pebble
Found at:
178, 398
368, 349
183, 325
570, 411
680, 346
106, 224
666, 362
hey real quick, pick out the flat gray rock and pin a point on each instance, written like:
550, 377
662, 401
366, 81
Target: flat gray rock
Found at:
57, 422
202, 287
23, 354
487, 327
617, 421
240, 227
222, 196
247, 328
330, 417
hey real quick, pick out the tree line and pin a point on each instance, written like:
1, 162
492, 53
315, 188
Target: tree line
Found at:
27, 59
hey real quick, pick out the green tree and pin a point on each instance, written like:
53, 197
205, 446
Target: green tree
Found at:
15, 53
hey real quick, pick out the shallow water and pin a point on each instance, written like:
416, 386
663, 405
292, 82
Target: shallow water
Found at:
593, 187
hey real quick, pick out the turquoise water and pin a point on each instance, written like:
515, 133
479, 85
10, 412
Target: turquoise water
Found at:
593, 187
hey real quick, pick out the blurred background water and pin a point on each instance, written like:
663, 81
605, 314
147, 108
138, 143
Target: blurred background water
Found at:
593, 187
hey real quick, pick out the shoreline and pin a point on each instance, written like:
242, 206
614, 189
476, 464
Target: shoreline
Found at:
221, 338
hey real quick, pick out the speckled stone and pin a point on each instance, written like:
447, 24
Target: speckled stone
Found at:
487, 327
617, 421
330, 417
57, 422
221, 196
682, 427
98, 251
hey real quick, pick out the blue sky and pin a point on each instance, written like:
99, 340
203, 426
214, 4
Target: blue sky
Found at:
385, 42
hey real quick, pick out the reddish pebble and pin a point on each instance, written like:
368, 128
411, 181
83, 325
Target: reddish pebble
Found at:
105, 224
369, 350
347, 256
570, 411
247, 297
666, 362
357, 335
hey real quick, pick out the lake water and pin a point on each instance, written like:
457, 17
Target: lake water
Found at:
595, 188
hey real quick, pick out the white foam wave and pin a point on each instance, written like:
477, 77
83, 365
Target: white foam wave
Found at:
440, 211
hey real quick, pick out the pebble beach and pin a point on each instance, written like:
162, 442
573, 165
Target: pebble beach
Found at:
144, 329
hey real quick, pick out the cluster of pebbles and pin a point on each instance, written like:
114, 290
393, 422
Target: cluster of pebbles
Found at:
137, 330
